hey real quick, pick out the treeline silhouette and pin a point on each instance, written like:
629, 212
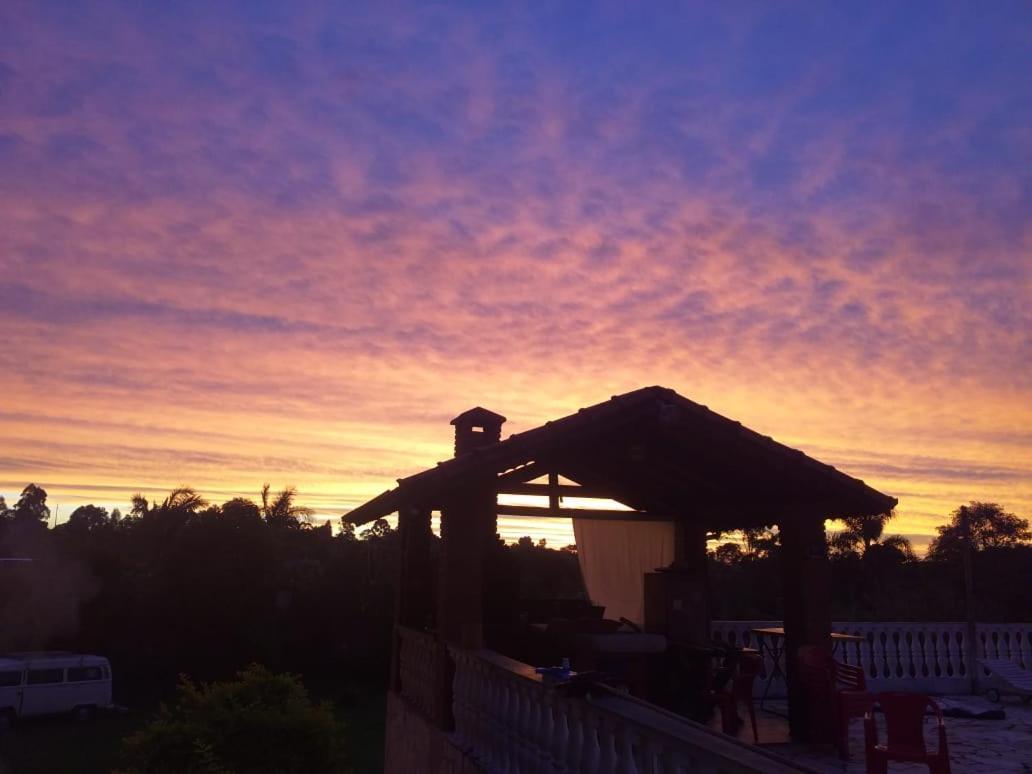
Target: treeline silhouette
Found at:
184, 586
877, 577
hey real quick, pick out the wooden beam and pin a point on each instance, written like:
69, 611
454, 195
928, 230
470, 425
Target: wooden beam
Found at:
582, 513
527, 472
553, 494
563, 490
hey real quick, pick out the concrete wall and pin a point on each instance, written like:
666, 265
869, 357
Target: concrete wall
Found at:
415, 746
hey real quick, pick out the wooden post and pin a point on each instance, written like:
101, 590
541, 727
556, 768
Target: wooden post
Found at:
414, 606
467, 522
807, 611
413, 602
970, 629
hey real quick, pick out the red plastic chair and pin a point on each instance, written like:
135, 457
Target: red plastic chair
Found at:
904, 724
749, 667
841, 689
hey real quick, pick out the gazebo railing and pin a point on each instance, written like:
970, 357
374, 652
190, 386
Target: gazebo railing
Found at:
920, 656
419, 667
507, 720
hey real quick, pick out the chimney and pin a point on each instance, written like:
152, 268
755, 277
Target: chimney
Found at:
475, 429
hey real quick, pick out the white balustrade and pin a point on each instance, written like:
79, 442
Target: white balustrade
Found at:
919, 656
507, 720
418, 664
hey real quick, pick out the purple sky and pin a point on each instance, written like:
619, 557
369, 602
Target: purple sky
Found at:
287, 242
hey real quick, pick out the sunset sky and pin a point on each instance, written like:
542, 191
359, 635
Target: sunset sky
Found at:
287, 242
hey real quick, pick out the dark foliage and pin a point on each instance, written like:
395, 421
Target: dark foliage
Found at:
184, 587
990, 527
258, 722
877, 578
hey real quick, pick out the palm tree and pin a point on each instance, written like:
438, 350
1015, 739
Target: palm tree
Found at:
862, 533
281, 509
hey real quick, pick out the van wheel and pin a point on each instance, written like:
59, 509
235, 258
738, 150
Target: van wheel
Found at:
84, 714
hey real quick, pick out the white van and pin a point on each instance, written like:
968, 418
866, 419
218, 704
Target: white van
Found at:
51, 683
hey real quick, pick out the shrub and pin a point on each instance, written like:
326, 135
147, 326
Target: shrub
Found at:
259, 722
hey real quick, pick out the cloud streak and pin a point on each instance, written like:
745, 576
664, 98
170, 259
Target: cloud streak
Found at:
226, 234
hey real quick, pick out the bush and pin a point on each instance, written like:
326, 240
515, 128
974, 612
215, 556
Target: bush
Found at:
260, 722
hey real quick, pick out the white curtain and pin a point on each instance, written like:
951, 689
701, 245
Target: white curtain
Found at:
614, 557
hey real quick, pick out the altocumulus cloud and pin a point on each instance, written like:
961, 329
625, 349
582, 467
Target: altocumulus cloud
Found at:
346, 225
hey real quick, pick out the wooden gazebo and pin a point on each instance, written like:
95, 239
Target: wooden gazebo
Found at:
656, 452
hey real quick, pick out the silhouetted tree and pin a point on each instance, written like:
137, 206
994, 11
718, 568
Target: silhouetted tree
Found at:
990, 527
380, 528
241, 512
862, 533
4, 511
728, 553
281, 510
87, 518
762, 542
31, 506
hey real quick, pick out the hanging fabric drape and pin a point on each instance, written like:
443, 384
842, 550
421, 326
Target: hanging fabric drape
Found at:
614, 557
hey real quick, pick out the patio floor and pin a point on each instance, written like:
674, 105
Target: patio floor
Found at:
976, 746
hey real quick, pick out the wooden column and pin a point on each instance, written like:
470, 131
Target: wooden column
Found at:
414, 605
466, 520
467, 523
413, 600
677, 598
807, 611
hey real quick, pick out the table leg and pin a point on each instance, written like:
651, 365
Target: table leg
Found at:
775, 649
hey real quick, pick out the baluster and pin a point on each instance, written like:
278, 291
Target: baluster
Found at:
476, 701
937, 663
626, 763
519, 724
892, 653
883, 658
507, 732
543, 729
458, 700
606, 746
575, 757
651, 756
561, 734
1025, 648
590, 752
529, 756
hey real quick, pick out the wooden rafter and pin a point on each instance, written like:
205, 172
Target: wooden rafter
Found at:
581, 513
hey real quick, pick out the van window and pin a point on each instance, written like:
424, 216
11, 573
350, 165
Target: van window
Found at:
40, 676
78, 674
10, 678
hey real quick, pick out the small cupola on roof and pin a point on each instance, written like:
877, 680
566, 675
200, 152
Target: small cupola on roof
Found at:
476, 428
